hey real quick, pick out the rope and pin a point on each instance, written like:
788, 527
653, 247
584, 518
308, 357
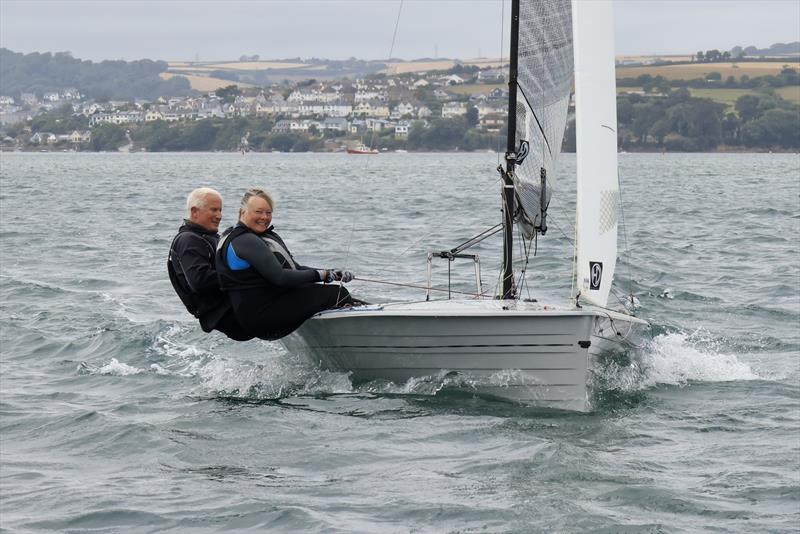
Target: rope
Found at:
416, 286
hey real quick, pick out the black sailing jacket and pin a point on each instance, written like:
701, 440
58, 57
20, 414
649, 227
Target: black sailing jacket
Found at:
193, 274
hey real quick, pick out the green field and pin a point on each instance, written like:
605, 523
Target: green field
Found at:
729, 96
792, 94
724, 96
688, 71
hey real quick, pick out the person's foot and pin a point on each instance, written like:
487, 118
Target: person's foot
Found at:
352, 303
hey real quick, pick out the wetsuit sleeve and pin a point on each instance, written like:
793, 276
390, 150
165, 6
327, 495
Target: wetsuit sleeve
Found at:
192, 255
251, 248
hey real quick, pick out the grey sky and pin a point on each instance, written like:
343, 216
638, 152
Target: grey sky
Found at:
214, 30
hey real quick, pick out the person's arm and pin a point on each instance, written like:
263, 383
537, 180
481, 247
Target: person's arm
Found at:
252, 249
192, 252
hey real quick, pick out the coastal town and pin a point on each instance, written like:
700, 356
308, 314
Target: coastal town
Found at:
340, 111
709, 101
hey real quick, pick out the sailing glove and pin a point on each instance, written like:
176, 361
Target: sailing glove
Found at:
344, 276
329, 276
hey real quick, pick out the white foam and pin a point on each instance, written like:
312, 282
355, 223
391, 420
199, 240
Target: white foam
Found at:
673, 359
677, 359
117, 368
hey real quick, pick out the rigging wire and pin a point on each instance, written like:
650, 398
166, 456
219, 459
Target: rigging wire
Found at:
416, 286
366, 162
627, 253
499, 137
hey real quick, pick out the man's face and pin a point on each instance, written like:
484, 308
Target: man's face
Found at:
209, 215
258, 215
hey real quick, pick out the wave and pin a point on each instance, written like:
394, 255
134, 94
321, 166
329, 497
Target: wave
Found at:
265, 371
672, 359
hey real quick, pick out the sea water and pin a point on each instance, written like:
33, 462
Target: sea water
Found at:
118, 414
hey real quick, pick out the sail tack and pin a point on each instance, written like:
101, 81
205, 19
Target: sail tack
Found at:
597, 204
544, 80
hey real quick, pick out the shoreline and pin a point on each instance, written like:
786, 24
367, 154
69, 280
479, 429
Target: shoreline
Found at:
721, 150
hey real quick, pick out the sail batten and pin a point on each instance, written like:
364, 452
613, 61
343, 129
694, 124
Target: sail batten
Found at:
597, 203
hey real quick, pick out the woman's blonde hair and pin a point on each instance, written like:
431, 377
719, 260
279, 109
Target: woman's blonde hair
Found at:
255, 192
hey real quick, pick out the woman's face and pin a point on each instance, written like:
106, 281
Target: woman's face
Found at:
257, 215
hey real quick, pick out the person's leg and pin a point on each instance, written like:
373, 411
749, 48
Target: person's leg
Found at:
285, 313
273, 317
229, 326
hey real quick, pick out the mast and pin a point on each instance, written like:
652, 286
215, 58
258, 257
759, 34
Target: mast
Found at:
511, 156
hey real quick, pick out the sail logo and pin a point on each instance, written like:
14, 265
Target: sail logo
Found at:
522, 153
595, 275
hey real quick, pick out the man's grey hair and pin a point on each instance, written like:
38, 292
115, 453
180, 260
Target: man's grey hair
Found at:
198, 198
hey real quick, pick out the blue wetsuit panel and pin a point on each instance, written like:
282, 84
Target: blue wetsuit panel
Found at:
235, 262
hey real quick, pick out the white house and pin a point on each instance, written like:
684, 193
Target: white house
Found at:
153, 115
337, 109
29, 99
424, 112
401, 110
491, 76
40, 138
338, 124
363, 96
452, 79
80, 137
401, 130
453, 109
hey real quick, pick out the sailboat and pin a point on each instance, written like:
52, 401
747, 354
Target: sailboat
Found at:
534, 352
362, 149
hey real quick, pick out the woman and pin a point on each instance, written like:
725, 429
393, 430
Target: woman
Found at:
271, 294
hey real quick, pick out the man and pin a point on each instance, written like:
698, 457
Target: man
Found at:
191, 265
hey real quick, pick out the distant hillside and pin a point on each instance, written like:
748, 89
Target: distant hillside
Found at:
205, 76
778, 49
116, 80
266, 72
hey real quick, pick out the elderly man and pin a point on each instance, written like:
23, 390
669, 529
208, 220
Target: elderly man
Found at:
191, 265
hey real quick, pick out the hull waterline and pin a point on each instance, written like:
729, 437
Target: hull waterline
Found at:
534, 356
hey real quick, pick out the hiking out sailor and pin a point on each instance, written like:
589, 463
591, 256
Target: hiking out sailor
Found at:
191, 265
271, 294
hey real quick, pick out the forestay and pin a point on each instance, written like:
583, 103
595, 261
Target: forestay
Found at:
544, 83
596, 115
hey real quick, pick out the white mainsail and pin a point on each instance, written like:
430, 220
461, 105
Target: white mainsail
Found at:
596, 145
544, 83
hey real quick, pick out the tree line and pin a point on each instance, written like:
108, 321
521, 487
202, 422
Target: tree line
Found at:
676, 122
103, 81
679, 122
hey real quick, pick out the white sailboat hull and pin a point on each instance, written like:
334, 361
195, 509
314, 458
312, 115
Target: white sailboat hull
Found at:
531, 354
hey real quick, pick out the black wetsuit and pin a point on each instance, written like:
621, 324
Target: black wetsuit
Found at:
192, 273
271, 294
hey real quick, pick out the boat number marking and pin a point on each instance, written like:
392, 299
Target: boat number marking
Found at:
596, 274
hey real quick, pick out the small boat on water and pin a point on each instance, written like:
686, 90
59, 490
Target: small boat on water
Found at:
362, 149
538, 351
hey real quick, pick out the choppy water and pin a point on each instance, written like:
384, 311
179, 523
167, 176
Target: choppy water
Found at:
118, 414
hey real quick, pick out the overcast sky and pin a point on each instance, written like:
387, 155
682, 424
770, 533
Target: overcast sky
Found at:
216, 30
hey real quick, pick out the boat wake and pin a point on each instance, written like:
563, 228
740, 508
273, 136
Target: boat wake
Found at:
670, 359
263, 371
